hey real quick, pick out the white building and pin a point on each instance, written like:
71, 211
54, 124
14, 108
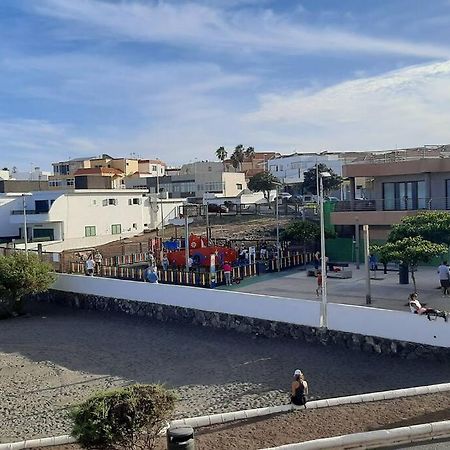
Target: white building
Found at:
80, 218
290, 169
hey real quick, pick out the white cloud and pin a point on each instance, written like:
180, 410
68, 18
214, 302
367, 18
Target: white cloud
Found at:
214, 29
39, 141
406, 107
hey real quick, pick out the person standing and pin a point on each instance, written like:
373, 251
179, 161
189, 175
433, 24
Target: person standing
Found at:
165, 263
444, 278
319, 283
227, 273
89, 266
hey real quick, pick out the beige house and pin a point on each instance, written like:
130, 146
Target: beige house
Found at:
199, 178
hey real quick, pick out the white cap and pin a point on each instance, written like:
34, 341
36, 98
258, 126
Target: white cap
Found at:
297, 372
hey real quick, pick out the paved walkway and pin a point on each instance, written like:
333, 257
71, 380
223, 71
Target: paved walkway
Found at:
59, 356
386, 291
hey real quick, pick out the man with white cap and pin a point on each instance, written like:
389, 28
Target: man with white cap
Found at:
299, 389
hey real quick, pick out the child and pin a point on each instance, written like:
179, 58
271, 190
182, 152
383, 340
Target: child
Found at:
319, 283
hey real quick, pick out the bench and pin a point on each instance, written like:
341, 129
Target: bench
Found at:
342, 274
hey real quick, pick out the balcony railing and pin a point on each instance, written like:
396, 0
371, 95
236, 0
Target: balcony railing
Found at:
19, 212
394, 204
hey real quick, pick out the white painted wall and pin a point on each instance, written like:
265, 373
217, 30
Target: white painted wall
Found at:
9, 203
301, 312
354, 319
398, 325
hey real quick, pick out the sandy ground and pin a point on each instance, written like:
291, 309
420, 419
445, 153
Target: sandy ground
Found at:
304, 425
58, 357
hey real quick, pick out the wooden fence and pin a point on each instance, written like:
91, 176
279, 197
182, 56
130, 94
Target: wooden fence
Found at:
196, 277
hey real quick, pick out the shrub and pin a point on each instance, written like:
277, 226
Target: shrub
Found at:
22, 275
123, 418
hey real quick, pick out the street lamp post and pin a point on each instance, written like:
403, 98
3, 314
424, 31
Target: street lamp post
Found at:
25, 231
277, 214
323, 309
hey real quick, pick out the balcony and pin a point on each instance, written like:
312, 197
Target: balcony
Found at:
384, 212
33, 216
19, 212
394, 204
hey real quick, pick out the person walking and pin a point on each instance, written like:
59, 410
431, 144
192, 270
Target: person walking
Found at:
299, 389
444, 278
227, 273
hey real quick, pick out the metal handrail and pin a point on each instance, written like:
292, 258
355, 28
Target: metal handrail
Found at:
19, 212
397, 204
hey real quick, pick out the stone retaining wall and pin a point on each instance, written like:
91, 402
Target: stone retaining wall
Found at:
259, 327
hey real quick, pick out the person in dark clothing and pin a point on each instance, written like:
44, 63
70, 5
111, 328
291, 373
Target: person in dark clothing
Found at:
299, 389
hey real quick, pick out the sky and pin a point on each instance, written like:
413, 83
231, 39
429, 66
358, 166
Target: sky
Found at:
176, 80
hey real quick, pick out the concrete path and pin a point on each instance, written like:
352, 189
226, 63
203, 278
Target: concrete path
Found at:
386, 291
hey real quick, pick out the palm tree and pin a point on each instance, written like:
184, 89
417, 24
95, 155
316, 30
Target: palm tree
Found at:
237, 158
250, 154
222, 154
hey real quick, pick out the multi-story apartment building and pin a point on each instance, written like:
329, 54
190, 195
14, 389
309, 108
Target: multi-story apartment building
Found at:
80, 218
252, 165
199, 178
399, 183
102, 172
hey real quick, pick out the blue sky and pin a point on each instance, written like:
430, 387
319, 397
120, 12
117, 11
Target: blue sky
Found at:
176, 80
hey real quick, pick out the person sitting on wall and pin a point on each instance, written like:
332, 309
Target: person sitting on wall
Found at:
416, 308
299, 389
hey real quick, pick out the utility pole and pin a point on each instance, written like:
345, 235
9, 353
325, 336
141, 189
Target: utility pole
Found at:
366, 262
278, 229
25, 231
186, 237
357, 242
324, 306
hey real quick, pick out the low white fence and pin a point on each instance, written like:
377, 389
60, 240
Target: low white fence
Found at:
389, 324
383, 323
281, 309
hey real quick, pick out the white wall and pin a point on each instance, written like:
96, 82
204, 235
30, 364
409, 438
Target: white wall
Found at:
301, 312
9, 203
398, 325
388, 324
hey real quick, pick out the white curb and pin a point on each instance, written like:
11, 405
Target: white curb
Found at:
374, 439
215, 419
44, 442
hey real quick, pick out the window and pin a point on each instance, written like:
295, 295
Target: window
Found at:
89, 231
154, 168
54, 183
239, 186
109, 201
134, 201
70, 182
404, 195
116, 229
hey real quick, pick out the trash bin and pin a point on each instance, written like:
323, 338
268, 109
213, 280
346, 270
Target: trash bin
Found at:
180, 438
403, 274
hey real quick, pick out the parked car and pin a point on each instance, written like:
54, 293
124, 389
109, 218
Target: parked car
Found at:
284, 195
212, 207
